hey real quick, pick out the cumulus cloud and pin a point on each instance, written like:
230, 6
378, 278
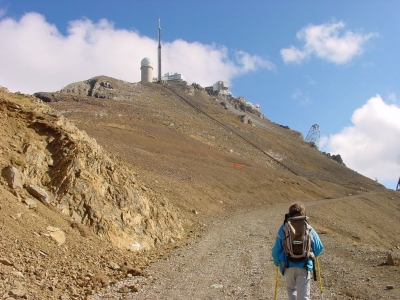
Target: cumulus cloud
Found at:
35, 56
371, 144
392, 97
326, 42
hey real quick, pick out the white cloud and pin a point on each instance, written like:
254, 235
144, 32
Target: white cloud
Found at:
324, 41
252, 63
35, 56
371, 145
293, 54
302, 98
392, 97
323, 141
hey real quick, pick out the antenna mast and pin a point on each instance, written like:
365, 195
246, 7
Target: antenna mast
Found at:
159, 51
313, 136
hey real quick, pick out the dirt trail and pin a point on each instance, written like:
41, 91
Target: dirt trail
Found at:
231, 261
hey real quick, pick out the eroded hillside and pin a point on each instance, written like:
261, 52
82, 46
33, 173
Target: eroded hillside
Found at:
59, 190
107, 168
197, 149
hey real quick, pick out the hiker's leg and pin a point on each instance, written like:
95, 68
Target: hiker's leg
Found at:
290, 277
303, 281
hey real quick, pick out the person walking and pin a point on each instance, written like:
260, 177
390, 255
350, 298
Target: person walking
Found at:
296, 255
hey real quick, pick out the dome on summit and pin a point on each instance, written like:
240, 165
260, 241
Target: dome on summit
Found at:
146, 62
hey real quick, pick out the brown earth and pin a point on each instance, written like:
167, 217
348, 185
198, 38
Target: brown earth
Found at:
195, 167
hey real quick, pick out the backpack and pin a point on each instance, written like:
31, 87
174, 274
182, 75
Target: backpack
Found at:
297, 238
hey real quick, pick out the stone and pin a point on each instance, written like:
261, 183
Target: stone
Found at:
114, 266
126, 267
18, 274
389, 259
57, 234
132, 288
18, 293
136, 246
30, 203
123, 290
135, 272
12, 176
38, 193
100, 279
5, 261
246, 120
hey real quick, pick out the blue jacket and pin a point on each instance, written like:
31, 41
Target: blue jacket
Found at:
279, 256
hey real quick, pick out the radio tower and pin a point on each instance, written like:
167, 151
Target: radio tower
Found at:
159, 51
313, 136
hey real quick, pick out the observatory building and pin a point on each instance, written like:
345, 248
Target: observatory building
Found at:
221, 87
173, 77
147, 70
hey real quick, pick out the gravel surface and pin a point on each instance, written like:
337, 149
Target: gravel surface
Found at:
232, 261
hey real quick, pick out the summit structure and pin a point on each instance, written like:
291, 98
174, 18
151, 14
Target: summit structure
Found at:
159, 51
146, 68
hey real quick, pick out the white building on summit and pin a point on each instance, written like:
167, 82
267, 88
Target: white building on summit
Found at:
221, 87
147, 70
173, 77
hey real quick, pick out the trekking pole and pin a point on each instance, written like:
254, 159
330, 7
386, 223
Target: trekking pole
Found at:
314, 270
320, 279
276, 281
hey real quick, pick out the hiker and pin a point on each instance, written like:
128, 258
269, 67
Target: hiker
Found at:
296, 265
398, 183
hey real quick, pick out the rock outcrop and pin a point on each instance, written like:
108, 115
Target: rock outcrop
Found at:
49, 159
102, 87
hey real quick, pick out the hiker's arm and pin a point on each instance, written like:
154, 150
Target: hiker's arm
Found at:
277, 249
317, 246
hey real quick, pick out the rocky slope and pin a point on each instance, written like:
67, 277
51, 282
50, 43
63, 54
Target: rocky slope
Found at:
109, 175
179, 136
51, 170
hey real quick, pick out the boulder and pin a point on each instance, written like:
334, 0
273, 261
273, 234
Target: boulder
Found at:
38, 193
12, 176
246, 120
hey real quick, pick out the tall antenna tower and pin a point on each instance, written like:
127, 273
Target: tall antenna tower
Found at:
313, 136
159, 51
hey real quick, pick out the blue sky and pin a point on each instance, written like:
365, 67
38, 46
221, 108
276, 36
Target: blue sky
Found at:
331, 63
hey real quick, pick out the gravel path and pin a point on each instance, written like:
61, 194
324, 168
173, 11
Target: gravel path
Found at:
231, 261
